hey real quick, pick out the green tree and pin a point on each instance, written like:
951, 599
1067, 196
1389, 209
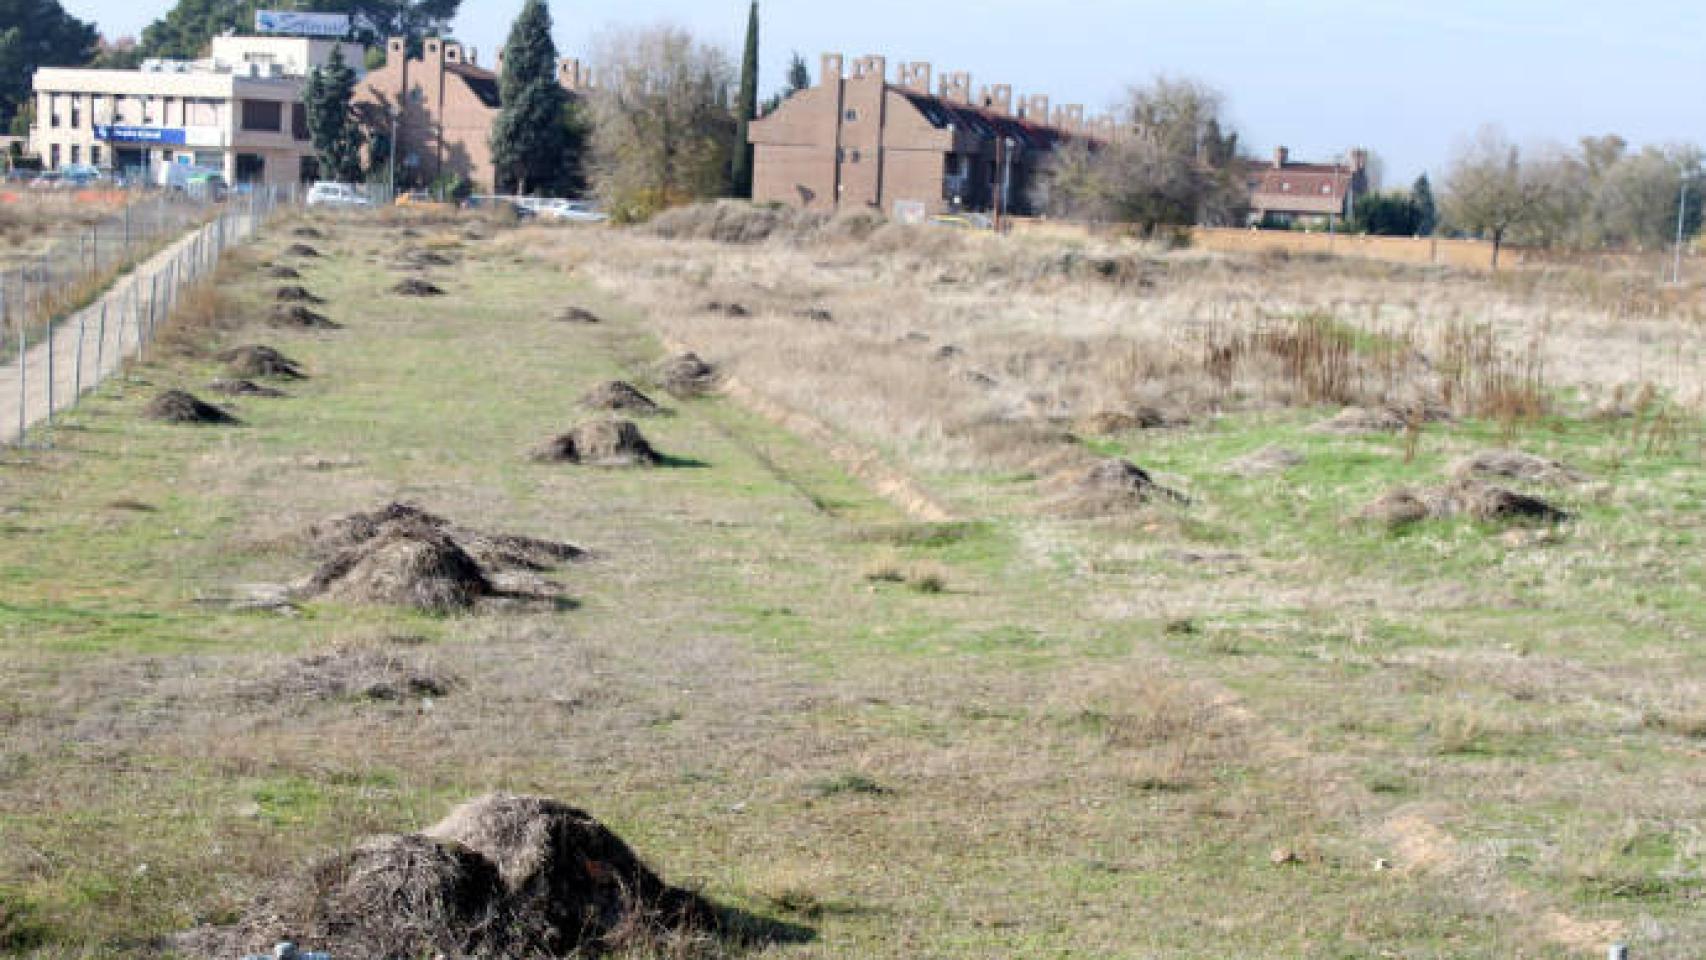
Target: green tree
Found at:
530, 136
746, 108
36, 33
1427, 209
799, 78
1387, 215
332, 124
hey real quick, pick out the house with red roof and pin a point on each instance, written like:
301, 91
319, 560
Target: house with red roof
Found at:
1287, 192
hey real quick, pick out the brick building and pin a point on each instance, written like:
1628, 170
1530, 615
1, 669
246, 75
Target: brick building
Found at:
1288, 192
443, 104
855, 141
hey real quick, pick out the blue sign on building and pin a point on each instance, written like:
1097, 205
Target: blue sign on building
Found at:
118, 134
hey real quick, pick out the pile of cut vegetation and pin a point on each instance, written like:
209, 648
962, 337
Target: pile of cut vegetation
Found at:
494, 551
180, 406
1109, 486
1405, 506
416, 258
501, 876
1516, 465
293, 293
416, 287
307, 232
605, 442
352, 673
243, 388
300, 250
296, 316
686, 375
574, 314
282, 272
619, 396
256, 360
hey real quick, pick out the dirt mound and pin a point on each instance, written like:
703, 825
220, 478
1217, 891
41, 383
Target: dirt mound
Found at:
576, 315
1516, 465
600, 443
297, 316
260, 361
1269, 459
243, 388
416, 287
300, 250
178, 406
282, 272
295, 294
619, 396
1110, 486
353, 674
1108, 422
502, 876
731, 310
405, 564
686, 375
1404, 506
493, 551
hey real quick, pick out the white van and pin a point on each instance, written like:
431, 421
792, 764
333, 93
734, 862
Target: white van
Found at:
329, 194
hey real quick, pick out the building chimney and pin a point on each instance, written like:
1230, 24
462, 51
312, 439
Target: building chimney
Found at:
870, 67
829, 68
1359, 160
432, 50
1069, 117
1281, 155
453, 53
1036, 108
915, 76
998, 98
956, 87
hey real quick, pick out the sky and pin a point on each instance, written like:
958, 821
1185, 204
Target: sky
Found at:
1408, 79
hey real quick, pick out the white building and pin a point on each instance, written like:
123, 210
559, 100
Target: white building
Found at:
239, 111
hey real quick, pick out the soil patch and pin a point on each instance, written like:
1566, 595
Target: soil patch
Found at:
282, 272
576, 315
416, 287
731, 310
294, 294
260, 361
297, 316
619, 396
243, 388
502, 876
1516, 465
178, 406
600, 443
353, 674
1269, 459
686, 375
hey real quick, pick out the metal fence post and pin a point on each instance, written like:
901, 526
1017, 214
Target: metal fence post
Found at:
77, 367
50, 373
101, 342
23, 378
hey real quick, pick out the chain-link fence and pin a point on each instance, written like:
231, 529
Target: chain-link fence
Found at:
56, 358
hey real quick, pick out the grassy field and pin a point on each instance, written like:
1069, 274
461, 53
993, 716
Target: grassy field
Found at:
1246, 725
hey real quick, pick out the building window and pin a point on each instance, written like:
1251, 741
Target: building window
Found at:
76, 154
76, 114
53, 156
299, 121
265, 115
95, 155
852, 115
1285, 187
252, 168
853, 157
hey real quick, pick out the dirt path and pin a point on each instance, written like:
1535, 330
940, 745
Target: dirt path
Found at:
109, 330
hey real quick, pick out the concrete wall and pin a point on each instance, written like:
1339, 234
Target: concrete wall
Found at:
1465, 254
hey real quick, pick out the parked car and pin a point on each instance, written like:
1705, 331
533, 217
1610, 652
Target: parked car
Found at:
329, 194
572, 211
486, 201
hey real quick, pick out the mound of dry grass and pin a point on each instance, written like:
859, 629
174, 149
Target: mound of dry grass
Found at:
282, 272
619, 396
1109, 486
1406, 506
301, 250
365, 673
686, 375
295, 294
573, 314
501, 876
260, 361
416, 287
1516, 465
600, 443
243, 388
298, 317
179, 406
493, 551
404, 564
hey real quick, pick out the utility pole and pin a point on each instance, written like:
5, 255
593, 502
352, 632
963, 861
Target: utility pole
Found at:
1681, 211
395, 114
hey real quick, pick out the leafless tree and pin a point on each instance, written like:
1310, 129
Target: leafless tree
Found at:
662, 120
1492, 190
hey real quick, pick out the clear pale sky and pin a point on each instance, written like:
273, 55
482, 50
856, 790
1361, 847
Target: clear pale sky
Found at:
1407, 78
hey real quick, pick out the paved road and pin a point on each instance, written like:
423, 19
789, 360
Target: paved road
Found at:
124, 304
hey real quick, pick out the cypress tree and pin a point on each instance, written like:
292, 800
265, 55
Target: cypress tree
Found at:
746, 109
529, 139
331, 123
1427, 214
